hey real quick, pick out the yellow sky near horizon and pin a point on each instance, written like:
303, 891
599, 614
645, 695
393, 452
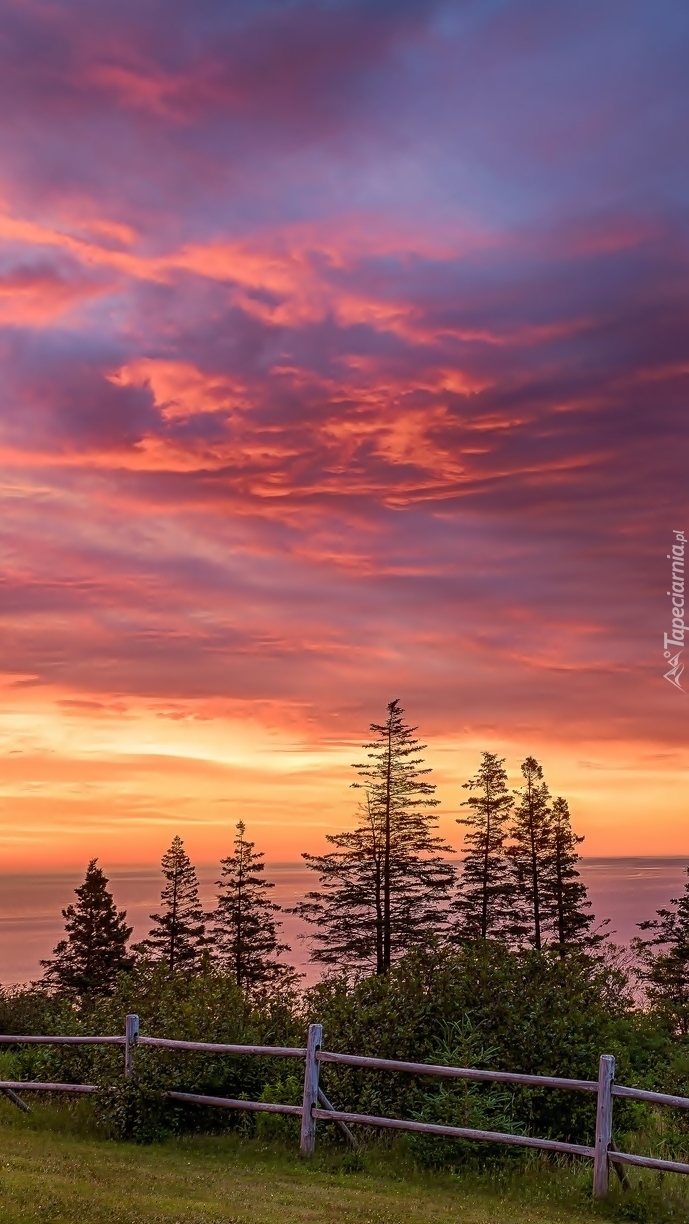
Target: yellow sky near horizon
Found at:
116, 780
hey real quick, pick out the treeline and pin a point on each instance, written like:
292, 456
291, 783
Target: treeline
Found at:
388, 888
239, 936
385, 890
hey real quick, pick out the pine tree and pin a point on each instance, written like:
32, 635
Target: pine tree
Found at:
384, 888
178, 936
347, 909
89, 960
530, 855
245, 931
565, 897
486, 885
664, 961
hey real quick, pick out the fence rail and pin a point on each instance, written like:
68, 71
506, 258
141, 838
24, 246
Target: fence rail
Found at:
195, 1098
455, 1132
499, 1077
35, 1086
167, 1043
10, 1040
316, 1107
653, 1098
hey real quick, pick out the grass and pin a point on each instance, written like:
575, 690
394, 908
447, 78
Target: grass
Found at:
53, 1167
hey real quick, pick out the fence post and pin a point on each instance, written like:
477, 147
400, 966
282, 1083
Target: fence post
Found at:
601, 1163
131, 1032
308, 1122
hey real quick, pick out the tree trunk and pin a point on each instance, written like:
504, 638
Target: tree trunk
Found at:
238, 947
486, 860
560, 897
387, 921
173, 922
534, 875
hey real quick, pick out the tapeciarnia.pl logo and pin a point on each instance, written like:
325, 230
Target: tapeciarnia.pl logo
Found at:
676, 637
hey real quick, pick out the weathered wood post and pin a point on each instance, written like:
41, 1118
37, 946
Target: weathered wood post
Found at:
131, 1032
601, 1162
311, 1069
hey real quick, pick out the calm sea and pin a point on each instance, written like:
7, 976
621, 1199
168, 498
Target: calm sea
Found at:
626, 890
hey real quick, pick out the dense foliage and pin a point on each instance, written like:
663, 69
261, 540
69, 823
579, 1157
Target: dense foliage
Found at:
501, 1009
481, 1005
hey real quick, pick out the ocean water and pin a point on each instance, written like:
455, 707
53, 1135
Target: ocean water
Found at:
625, 890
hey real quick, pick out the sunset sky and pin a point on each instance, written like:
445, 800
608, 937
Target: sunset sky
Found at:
344, 357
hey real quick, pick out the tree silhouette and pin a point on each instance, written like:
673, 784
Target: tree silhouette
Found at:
486, 884
664, 961
245, 929
384, 888
177, 937
529, 853
565, 897
89, 960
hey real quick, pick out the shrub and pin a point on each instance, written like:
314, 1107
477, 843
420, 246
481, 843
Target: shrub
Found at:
536, 1013
462, 1103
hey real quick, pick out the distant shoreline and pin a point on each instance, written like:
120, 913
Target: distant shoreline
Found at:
69, 872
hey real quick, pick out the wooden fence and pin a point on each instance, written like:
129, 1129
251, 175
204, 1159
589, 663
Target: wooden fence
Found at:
316, 1107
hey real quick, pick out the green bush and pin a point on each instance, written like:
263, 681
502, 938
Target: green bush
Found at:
208, 1007
535, 1013
463, 1103
286, 1089
130, 1110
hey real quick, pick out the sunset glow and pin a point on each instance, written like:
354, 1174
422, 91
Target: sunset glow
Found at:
345, 358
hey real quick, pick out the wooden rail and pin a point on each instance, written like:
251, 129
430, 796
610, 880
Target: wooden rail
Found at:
648, 1162
35, 1086
454, 1132
654, 1098
316, 1107
195, 1098
498, 1077
11, 1040
205, 1047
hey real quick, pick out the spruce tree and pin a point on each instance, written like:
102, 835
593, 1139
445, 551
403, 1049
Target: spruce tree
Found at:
89, 960
565, 897
483, 897
664, 961
530, 855
178, 936
245, 931
384, 888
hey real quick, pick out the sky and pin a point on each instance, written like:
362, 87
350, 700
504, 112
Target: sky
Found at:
344, 358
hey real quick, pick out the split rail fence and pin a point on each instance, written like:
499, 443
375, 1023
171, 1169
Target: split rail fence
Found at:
316, 1107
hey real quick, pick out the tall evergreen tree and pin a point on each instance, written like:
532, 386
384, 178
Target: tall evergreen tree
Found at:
565, 897
88, 961
530, 855
485, 887
178, 936
245, 930
664, 961
384, 888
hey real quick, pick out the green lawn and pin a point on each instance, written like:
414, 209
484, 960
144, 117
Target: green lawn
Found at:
52, 1169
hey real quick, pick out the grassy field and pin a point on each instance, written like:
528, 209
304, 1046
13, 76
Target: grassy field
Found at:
52, 1168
